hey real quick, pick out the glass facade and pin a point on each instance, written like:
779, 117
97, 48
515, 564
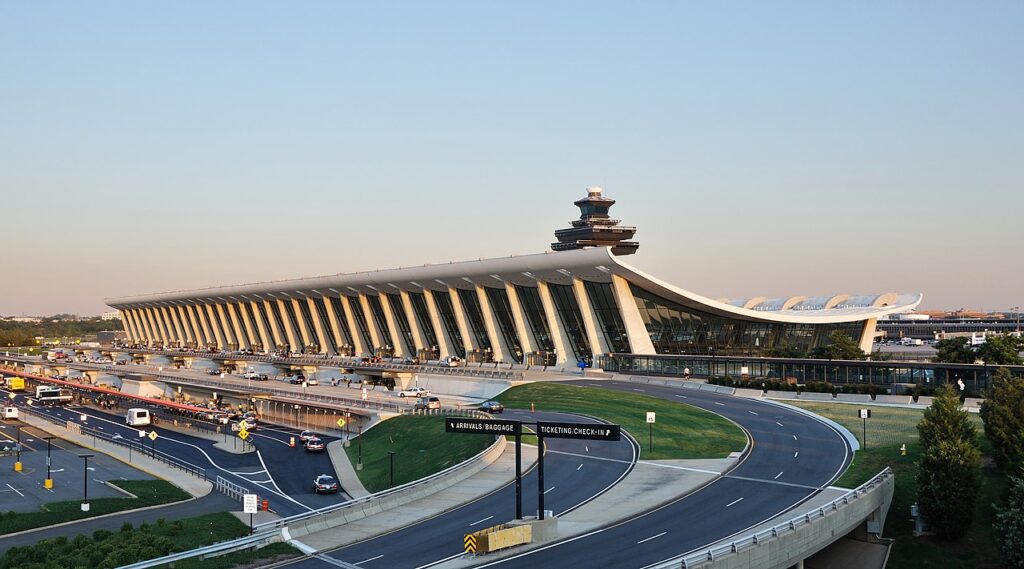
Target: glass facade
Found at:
381, 320
339, 313
325, 325
677, 329
279, 317
246, 322
266, 321
502, 309
214, 318
572, 320
529, 299
471, 304
451, 325
419, 308
364, 328
289, 311
307, 317
398, 313
609, 317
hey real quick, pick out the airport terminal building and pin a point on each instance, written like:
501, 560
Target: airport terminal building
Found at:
573, 303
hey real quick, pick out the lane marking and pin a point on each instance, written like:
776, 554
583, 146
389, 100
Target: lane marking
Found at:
796, 454
794, 438
369, 560
635, 389
481, 521
586, 448
333, 561
579, 467
549, 489
779, 424
777, 476
720, 404
16, 490
734, 502
653, 536
681, 396
752, 412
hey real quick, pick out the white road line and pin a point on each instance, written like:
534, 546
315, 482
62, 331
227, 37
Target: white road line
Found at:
796, 454
752, 412
636, 389
586, 448
368, 560
16, 490
580, 466
652, 537
481, 521
777, 476
681, 396
779, 424
549, 489
717, 403
734, 502
794, 438
333, 561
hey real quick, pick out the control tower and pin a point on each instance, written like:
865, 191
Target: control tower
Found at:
594, 228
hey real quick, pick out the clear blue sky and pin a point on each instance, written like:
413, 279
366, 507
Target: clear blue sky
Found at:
761, 148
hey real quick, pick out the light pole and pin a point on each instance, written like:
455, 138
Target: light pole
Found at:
17, 449
359, 462
48, 484
85, 481
391, 460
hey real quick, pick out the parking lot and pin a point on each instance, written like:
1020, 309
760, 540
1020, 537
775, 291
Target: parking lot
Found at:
24, 491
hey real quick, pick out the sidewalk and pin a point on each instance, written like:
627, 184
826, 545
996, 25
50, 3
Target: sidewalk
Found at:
487, 480
347, 476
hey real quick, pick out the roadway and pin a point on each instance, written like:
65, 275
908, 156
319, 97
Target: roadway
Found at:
570, 480
276, 471
793, 457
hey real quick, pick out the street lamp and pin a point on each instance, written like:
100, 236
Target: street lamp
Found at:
17, 449
85, 481
359, 462
391, 460
48, 484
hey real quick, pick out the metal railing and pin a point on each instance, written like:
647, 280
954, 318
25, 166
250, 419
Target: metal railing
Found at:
229, 488
698, 558
248, 542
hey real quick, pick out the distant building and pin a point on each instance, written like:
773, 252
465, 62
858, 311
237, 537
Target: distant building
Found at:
24, 319
111, 315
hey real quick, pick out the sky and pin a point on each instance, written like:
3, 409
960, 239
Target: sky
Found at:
761, 148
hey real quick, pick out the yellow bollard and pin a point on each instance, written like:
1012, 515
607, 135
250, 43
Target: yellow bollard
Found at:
903, 450
48, 484
17, 466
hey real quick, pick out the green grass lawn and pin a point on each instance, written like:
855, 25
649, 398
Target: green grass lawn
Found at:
149, 492
681, 431
421, 448
105, 550
887, 429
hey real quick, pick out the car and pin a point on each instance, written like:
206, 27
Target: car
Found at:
296, 380
250, 375
315, 444
326, 484
312, 382
492, 407
213, 371
414, 392
306, 435
427, 403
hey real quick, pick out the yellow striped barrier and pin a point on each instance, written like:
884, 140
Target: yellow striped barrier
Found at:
497, 537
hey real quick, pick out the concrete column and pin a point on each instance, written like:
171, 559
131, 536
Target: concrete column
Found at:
165, 324
304, 333
236, 326
558, 335
293, 337
867, 334
178, 330
149, 325
418, 337
332, 321
444, 343
172, 330
223, 325
185, 324
318, 327
353, 327
275, 327
519, 317
460, 318
499, 350
262, 327
158, 332
636, 331
249, 332
595, 336
129, 326
208, 329
198, 324
371, 323
396, 332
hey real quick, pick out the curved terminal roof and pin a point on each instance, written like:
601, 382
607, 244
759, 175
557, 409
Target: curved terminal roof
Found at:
593, 264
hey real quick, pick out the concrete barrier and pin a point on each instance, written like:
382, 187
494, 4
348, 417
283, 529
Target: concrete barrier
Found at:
808, 396
772, 394
854, 398
692, 385
750, 393
894, 399
925, 400
972, 403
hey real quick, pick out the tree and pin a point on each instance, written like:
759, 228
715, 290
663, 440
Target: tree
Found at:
840, 347
1001, 349
944, 420
1003, 415
948, 482
955, 351
785, 349
1009, 524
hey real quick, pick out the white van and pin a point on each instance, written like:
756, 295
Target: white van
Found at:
138, 417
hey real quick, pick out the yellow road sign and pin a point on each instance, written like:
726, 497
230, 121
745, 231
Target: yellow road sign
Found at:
469, 542
242, 425
243, 434
341, 423
152, 435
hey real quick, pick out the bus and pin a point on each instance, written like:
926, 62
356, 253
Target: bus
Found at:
53, 395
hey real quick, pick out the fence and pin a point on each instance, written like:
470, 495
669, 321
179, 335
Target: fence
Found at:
229, 488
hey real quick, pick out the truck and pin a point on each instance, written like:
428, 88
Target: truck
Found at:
911, 342
138, 417
15, 384
49, 395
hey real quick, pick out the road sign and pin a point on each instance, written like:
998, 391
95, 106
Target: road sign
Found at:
864, 414
250, 504
469, 542
242, 425
482, 426
650, 416
152, 435
142, 433
243, 434
587, 431
341, 423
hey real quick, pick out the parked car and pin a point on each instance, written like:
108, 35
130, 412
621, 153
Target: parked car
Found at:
306, 435
326, 484
492, 407
312, 381
315, 444
427, 403
414, 392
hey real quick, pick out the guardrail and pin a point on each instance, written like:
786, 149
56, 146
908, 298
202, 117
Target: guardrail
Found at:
704, 556
222, 548
366, 500
230, 489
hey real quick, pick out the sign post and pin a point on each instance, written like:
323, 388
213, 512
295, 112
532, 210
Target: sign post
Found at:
585, 431
498, 427
650, 431
249, 506
864, 414
152, 445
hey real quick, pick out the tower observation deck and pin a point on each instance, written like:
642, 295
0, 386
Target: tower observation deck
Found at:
595, 228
